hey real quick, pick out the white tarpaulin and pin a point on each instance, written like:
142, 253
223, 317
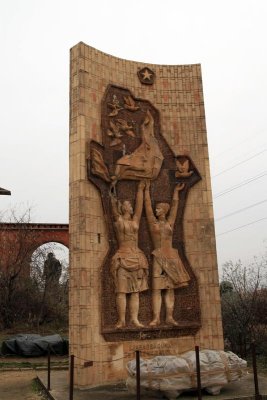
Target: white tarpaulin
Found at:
175, 374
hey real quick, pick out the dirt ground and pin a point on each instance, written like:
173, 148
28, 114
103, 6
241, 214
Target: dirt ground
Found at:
18, 385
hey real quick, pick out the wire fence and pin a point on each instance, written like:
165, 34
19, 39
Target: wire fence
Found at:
196, 375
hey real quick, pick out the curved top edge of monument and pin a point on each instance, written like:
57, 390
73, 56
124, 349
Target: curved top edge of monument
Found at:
124, 59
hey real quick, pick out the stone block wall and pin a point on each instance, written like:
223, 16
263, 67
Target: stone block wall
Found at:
178, 96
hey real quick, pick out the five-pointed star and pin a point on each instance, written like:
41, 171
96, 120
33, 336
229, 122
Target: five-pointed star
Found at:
146, 74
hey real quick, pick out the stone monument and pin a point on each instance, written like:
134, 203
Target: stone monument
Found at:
52, 271
143, 269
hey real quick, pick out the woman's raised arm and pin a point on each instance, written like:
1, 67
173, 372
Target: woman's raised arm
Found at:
148, 207
139, 201
175, 203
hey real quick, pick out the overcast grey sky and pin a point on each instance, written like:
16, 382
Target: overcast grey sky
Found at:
227, 37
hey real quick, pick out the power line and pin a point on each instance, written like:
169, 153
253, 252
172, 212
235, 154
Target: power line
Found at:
242, 226
241, 210
241, 162
249, 137
237, 186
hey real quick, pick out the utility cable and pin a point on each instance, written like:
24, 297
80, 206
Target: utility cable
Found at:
242, 226
237, 186
241, 162
247, 138
241, 210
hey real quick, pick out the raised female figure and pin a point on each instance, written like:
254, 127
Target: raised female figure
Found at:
129, 266
168, 270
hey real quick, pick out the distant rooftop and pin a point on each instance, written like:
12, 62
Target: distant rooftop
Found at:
4, 191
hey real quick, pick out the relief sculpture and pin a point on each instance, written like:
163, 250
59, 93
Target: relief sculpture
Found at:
129, 266
146, 160
168, 272
149, 289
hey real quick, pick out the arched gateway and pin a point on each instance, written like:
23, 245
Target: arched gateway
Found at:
21, 239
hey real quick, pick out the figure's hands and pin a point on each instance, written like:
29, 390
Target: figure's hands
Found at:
141, 185
179, 187
112, 190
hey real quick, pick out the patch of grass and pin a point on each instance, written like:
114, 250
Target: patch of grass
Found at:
33, 365
37, 389
35, 386
15, 365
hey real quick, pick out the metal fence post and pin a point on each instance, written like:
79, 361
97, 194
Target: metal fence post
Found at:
71, 376
137, 359
254, 364
198, 373
48, 368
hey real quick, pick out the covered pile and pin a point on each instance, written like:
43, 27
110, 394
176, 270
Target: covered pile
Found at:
172, 374
32, 345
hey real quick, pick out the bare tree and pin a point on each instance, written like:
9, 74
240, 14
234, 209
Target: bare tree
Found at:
243, 298
23, 292
15, 251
